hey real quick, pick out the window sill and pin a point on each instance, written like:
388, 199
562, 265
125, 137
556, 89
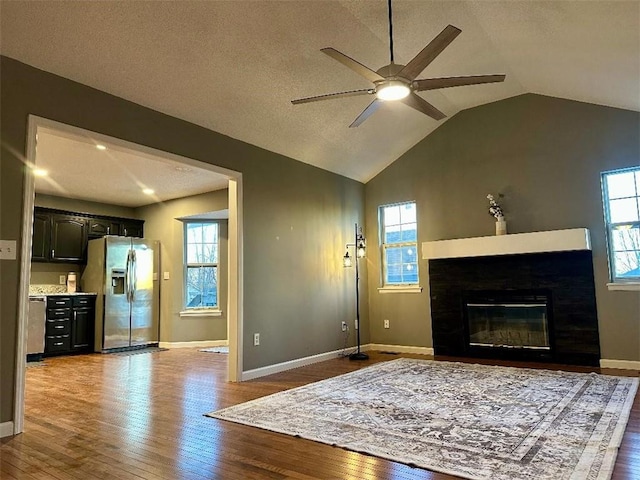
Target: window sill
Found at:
204, 312
401, 289
629, 286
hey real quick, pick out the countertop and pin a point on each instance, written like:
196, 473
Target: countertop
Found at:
53, 290
34, 295
61, 294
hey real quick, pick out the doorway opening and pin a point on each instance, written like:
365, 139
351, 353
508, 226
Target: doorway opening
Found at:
102, 142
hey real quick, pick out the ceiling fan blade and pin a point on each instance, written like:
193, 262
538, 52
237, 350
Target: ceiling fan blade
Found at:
429, 53
447, 82
366, 113
357, 67
330, 96
420, 104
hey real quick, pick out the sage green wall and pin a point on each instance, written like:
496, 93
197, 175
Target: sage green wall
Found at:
83, 206
161, 223
545, 155
297, 218
49, 273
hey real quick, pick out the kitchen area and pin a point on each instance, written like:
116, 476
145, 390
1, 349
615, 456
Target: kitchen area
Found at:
106, 298
93, 285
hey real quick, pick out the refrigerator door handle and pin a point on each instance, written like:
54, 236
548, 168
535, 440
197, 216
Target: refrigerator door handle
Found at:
134, 277
127, 277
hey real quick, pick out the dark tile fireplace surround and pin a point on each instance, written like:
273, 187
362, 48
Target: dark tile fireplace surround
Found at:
533, 306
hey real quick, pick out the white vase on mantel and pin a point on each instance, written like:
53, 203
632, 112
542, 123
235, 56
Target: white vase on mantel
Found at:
501, 226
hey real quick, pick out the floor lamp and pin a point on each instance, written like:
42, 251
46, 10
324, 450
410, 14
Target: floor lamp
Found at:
360, 250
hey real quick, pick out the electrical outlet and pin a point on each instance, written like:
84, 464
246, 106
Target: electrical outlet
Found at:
355, 322
386, 323
62, 279
256, 339
344, 326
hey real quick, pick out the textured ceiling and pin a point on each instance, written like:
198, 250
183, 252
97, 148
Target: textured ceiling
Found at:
115, 176
233, 67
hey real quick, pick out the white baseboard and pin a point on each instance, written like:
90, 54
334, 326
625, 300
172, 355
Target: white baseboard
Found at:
321, 357
281, 367
622, 364
6, 429
197, 343
399, 348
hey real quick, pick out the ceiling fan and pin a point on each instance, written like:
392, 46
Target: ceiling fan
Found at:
398, 82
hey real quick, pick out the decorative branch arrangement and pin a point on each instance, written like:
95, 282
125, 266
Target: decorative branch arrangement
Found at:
494, 208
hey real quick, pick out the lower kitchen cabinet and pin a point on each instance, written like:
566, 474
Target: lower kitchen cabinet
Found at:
69, 325
82, 322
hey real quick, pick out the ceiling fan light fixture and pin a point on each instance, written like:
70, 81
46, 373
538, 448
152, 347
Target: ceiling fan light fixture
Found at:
392, 90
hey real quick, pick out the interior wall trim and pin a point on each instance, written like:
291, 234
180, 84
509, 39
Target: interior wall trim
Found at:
6, 429
298, 362
321, 357
621, 364
196, 343
518, 243
399, 348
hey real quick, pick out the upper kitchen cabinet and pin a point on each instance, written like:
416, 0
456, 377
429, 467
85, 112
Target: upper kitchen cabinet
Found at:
40, 249
99, 227
61, 236
58, 237
68, 238
132, 228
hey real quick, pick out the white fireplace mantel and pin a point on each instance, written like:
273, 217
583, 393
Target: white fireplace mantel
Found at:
519, 243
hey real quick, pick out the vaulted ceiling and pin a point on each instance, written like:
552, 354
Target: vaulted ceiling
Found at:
234, 66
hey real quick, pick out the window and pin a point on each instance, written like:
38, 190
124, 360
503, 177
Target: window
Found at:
201, 265
399, 239
621, 192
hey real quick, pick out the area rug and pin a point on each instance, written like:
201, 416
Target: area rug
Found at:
138, 351
474, 421
38, 363
222, 349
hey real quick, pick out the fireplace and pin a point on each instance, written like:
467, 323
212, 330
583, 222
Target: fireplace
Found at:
507, 319
524, 304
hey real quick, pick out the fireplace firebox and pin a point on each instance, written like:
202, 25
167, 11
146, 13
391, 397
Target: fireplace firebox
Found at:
507, 319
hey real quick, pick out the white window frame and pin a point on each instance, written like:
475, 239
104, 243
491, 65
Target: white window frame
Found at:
200, 310
405, 287
618, 283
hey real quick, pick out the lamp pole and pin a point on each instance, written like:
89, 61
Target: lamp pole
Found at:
359, 245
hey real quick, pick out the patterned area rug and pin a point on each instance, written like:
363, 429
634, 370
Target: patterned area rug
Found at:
222, 349
474, 421
35, 364
138, 351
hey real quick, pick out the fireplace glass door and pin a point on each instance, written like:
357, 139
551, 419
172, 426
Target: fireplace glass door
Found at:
509, 324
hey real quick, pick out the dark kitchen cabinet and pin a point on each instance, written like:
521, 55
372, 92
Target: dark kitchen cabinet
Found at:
68, 238
41, 241
58, 237
99, 227
82, 323
69, 324
133, 229
61, 236
58, 326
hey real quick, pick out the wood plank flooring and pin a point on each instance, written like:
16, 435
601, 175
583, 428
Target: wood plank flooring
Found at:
141, 417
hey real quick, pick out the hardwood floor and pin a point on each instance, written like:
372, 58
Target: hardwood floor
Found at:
141, 417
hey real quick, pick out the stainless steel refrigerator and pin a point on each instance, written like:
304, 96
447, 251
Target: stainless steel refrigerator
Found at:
123, 271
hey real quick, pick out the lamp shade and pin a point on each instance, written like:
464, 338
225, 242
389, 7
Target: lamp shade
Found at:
346, 260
